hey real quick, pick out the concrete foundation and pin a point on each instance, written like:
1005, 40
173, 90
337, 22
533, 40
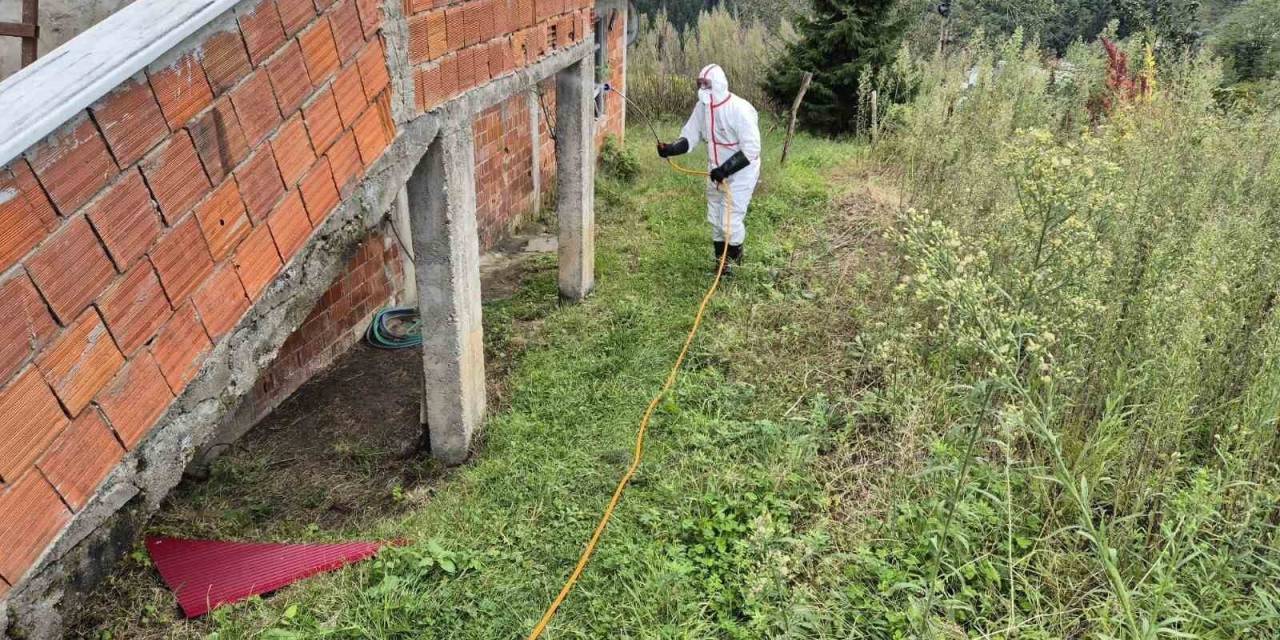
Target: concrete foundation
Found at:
575, 171
446, 249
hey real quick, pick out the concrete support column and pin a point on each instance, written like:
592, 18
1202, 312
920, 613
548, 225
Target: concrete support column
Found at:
446, 249
575, 178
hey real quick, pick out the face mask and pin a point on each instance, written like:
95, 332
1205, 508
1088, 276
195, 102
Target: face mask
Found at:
704, 96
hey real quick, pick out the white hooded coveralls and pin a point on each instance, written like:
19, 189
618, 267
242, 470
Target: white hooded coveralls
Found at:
728, 124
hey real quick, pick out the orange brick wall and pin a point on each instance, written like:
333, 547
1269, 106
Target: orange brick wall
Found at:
504, 193
135, 237
455, 48
504, 168
371, 280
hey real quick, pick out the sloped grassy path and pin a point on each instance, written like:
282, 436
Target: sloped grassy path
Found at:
715, 536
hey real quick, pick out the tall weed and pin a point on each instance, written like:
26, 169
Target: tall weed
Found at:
663, 62
1097, 298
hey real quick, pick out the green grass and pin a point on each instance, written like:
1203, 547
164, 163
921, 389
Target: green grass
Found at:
719, 522
1038, 403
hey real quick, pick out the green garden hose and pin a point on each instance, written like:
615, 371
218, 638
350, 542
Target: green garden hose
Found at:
395, 328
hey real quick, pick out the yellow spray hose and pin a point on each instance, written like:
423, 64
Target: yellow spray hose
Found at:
638, 452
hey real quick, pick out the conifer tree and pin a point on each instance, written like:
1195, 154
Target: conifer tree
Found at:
837, 42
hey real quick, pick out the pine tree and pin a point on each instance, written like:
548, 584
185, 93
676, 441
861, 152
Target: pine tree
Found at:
1175, 23
1248, 40
837, 42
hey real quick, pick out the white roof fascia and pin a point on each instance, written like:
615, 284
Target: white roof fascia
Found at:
37, 100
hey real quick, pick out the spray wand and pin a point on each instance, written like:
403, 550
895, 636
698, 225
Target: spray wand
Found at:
630, 103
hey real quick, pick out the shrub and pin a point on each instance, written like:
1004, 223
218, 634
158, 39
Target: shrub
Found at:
618, 161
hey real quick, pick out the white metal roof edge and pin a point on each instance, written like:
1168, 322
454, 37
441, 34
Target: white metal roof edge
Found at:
43, 96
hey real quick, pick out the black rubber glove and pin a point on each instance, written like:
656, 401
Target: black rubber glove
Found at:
736, 162
677, 148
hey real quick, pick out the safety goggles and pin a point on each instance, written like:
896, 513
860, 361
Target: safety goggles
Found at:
704, 83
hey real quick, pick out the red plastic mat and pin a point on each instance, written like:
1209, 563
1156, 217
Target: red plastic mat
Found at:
205, 574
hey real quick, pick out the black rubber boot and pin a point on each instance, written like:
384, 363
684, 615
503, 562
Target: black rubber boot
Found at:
735, 253
715, 266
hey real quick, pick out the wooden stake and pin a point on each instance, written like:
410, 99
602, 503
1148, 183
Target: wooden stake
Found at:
795, 109
875, 115
31, 16
28, 31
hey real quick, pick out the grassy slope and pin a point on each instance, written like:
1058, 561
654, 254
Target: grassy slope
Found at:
724, 518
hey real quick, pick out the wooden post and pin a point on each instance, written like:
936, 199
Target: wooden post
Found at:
31, 16
875, 116
795, 109
28, 31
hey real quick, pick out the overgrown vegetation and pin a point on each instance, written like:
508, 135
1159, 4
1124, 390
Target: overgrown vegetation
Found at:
1086, 318
664, 61
684, 13
1057, 24
1248, 39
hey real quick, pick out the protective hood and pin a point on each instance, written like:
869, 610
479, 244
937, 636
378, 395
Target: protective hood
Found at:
719, 84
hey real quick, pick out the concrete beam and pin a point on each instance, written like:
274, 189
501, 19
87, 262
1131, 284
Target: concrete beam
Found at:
575, 178
446, 249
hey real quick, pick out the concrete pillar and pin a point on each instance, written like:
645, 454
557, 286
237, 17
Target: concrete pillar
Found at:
575, 178
446, 249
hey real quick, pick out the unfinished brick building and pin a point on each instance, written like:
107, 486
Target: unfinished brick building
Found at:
203, 201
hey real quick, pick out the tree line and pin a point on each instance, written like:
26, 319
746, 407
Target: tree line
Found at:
850, 45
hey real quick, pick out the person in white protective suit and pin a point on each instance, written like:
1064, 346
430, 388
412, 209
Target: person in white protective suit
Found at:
731, 128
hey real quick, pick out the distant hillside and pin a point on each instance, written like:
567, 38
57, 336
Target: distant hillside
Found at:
1245, 33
